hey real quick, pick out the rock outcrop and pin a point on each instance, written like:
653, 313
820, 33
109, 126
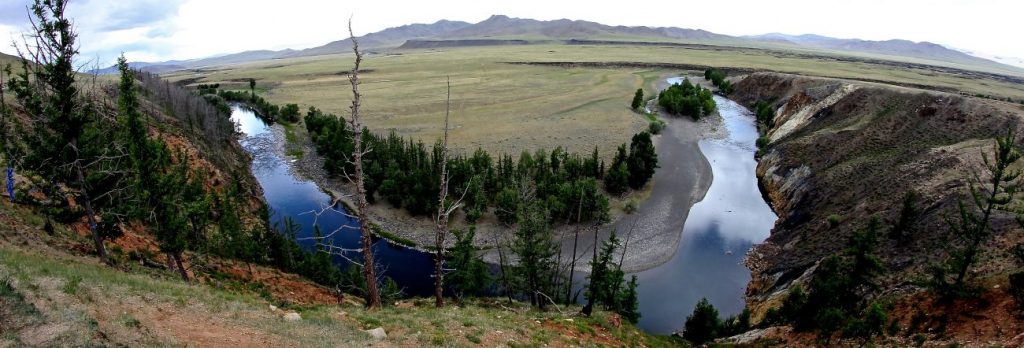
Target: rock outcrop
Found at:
854, 149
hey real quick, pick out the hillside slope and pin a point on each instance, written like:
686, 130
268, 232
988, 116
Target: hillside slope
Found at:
854, 150
52, 295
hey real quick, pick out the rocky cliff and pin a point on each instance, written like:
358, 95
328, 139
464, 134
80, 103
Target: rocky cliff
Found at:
852, 150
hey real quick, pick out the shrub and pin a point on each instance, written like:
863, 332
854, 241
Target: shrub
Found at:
763, 141
656, 126
834, 220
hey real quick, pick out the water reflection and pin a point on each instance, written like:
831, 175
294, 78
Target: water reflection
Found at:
718, 232
295, 197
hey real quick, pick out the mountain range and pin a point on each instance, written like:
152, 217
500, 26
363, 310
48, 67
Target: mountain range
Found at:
498, 29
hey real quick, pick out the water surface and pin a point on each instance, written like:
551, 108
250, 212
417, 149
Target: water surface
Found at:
718, 231
291, 196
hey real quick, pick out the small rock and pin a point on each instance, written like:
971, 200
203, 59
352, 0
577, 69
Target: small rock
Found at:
569, 320
292, 316
273, 308
342, 313
996, 287
378, 333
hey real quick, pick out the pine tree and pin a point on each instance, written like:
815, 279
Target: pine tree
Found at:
638, 99
469, 272
53, 100
993, 191
642, 161
535, 246
629, 304
909, 213
703, 324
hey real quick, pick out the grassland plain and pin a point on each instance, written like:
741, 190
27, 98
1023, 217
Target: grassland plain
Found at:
506, 108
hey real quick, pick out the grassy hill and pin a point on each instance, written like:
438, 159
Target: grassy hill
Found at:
53, 295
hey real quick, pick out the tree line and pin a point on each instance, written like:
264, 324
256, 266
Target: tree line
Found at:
717, 78
687, 99
406, 173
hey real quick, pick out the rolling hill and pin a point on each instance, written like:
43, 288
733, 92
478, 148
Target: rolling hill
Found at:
499, 29
902, 48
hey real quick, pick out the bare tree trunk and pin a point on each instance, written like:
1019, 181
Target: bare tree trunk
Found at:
369, 267
442, 210
589, 307
181, 266
575, 241
89, 213
504, 271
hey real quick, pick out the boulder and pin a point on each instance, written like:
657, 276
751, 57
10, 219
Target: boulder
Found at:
378, 333
292, 316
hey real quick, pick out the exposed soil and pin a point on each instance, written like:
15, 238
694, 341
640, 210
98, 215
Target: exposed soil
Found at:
855, 157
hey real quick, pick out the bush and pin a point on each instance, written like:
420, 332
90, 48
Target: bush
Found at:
630, 206
290, 113
763, 141
834, 220
656, 126
765, 115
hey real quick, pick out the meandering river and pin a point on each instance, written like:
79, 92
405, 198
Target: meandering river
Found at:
708, 263
290, 195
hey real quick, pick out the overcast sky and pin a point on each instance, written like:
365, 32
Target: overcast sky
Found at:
157, 30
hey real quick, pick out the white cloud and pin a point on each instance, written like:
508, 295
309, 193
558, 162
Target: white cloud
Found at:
199, 28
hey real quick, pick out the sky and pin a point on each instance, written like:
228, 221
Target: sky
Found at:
159, 30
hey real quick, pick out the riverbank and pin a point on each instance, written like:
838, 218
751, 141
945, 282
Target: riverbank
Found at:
682, 180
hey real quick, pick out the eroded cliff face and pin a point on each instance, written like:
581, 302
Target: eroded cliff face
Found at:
854, 149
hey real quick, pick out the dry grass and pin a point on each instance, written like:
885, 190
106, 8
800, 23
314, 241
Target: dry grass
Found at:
506, 108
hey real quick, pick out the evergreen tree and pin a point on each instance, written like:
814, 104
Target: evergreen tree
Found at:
703, 324
995, 190
638, 99
616, 181
535, 246
909, 213
48, 92
642, 161
252, 89
629, 304
469, 272
603, 283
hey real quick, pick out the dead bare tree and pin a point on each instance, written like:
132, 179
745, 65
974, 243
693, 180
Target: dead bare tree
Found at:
443, 209
369, 268
575, 241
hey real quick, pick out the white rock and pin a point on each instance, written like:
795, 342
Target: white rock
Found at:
273, 308
292, 316
378, 333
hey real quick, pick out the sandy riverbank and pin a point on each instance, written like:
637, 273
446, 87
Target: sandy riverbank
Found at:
682, 180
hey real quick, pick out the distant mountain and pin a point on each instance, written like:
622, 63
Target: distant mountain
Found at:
503, 30
391, 37
504, 27
902, 48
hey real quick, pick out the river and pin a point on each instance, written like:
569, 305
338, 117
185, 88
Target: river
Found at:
708, 263
717, 234
290, 195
